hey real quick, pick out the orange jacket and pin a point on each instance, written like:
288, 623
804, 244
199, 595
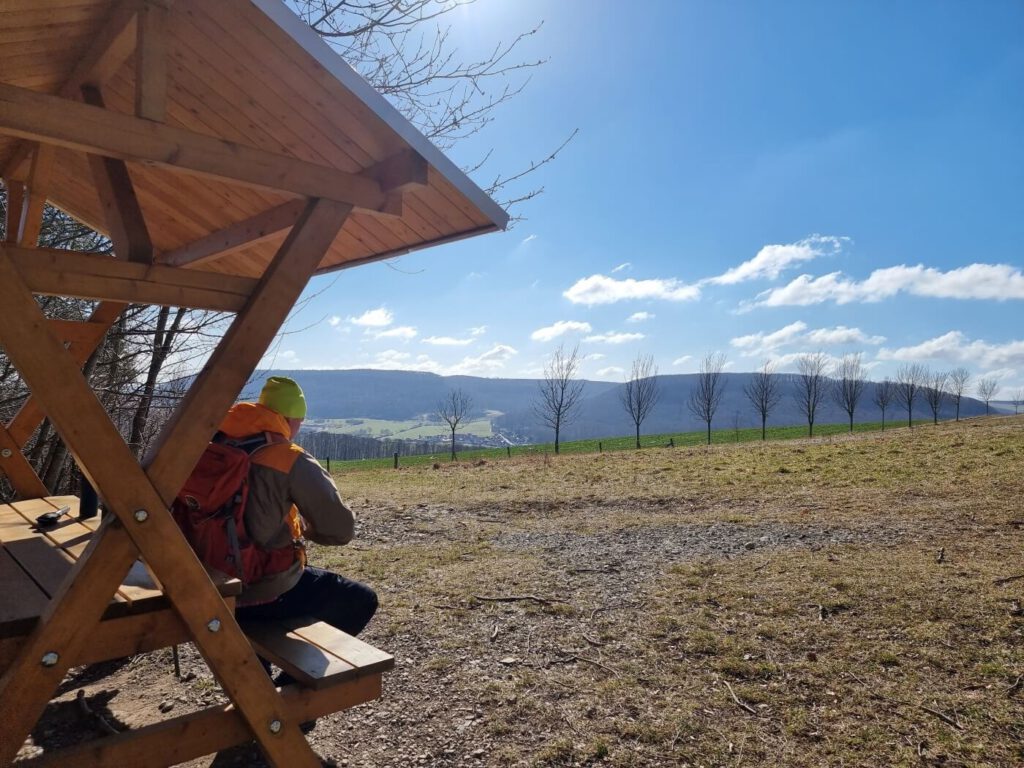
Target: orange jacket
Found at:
290, 497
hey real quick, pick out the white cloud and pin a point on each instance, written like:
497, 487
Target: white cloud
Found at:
550, 332
334, 321
613, 338
622, 266
611, 370
757, 344
446, 341
600, 289
1000, 282
373, 318
830, 337
528, 239
682, 360
479, 330
796, 334
596, 356
406, 332
490, 362
639, 317
771, 260
956, 347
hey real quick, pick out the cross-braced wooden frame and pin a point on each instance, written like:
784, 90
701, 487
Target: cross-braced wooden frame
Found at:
49, 356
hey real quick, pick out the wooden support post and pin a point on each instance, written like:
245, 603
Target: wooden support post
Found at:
140, 501
24, 480
396, 459
151, 62
121, 210
35, 196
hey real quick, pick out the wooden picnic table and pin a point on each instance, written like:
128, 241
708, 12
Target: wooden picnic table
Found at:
35, 561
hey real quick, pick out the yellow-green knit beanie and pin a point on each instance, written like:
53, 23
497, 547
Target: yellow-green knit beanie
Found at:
282, 395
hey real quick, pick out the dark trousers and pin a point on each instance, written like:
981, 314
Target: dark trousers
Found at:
344, 604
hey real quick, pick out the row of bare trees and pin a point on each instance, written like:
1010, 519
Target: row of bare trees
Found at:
817, 379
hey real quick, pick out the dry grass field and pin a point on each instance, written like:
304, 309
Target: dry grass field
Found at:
836, 602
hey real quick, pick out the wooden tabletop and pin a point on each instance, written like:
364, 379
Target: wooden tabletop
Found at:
34, 563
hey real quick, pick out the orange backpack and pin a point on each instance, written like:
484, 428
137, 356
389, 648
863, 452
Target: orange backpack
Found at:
210, 510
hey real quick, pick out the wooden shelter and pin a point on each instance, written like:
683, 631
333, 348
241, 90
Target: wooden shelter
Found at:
230, 155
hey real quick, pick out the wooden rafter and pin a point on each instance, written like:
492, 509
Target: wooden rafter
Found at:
85, 128
53, 272
139, 498
121, 210
241, 235
151, 61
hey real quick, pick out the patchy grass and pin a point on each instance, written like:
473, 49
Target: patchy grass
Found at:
838, 638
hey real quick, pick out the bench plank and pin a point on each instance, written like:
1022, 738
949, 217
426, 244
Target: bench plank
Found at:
361, 655
308, 663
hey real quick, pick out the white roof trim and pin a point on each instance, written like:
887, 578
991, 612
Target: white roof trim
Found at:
330, 60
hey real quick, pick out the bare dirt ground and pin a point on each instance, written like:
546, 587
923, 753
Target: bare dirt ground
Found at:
836, 602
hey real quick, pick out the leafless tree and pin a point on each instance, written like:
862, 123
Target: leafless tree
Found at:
909, 380
763, 392
404, 49
987, 390
560, 391
883, 395
641, 392
454, 408
959, 378
810, 385
1017, 400
934, 391
848, 384
706, 394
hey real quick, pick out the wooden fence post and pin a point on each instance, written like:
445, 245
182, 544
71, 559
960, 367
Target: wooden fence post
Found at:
328, 465
396, 459
600, 447
508, 450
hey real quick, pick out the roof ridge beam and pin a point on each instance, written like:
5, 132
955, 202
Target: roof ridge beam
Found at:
53, 120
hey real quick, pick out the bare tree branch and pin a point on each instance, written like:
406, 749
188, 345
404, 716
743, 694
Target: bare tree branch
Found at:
454, 408
810, 386
764, 393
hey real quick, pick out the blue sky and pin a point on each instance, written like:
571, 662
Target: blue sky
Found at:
760, 179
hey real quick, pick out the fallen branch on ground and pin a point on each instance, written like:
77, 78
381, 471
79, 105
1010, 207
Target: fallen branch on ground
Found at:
943, 717
1008, 579
517, 598
1016, 685
740, 704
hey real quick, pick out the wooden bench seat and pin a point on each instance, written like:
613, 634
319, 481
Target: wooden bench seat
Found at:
316, 654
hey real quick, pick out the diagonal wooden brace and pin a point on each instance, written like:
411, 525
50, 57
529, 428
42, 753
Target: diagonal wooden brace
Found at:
24, 480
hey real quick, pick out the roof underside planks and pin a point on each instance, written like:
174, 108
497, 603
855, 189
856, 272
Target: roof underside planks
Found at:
248, 72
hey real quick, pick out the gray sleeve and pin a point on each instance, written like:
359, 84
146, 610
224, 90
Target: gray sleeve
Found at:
327, 519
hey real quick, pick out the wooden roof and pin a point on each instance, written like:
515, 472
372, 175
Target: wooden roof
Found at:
251, 73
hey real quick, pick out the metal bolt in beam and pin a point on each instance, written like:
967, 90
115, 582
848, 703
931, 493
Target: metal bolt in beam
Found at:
275, 726
50, 659
141, 515
213, 625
